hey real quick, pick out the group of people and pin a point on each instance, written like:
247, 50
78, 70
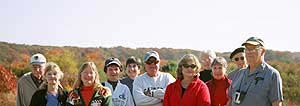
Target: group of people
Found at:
197, 83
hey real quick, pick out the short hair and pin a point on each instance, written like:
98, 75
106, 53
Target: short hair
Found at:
219, 60
184, 60
135, 60
210, 53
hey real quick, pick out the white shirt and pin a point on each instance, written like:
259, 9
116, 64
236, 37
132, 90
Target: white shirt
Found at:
149, 91
121, 96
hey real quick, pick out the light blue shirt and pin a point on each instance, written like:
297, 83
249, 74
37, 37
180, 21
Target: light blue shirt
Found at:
263, 86
52, 100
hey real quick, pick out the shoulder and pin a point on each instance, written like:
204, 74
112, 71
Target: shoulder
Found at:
25, 77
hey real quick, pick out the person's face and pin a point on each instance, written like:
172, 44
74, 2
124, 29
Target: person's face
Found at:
113, 72
133, 70
206, 60
218, 71
152, 66
88, 76
240, 60
253, 54
38, 70
189, 70
52, 77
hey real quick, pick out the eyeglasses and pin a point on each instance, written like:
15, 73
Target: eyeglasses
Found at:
239, 58
252, 50
193, 66
151, 62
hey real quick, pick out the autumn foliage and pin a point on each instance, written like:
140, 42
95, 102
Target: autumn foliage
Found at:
7, 81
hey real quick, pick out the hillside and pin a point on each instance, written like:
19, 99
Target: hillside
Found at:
15, 57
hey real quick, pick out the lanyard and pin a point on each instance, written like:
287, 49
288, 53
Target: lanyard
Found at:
243, 80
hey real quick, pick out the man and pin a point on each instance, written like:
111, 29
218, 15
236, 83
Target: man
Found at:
206, 58
31, 81
121, 95
259, 84
149, 88
239, 59
133, 66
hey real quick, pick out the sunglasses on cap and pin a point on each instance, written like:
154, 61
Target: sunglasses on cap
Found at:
193, 66
239, 58
152, 62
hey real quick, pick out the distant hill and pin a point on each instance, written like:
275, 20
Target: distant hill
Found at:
11, 52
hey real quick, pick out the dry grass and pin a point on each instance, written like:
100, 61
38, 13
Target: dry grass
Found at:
7, 99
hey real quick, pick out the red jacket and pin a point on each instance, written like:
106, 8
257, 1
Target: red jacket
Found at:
196, 94
223, 85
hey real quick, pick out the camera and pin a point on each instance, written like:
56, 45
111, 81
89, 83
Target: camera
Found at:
239, 97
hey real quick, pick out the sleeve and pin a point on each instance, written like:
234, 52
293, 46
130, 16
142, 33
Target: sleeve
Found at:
129, 100
19, 95
107, 101
139, 97
204, 96
159, 93
166, 96
276, 88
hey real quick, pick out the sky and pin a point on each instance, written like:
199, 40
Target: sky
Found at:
219, 25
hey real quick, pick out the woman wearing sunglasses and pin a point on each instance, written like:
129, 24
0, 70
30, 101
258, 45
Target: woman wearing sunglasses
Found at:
238, 58
188, 89
218, 86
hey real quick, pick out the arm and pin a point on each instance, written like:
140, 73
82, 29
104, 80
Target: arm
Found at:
107, 101
129, 100
19, 95
204, 96
276, 95
139, 96
277, 103
166, 97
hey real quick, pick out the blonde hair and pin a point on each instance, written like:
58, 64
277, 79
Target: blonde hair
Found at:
51, 66
184, 60
78, 82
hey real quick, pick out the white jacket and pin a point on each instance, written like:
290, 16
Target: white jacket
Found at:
121, 96
149, 91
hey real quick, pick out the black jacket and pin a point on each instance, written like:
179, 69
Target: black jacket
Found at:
39, 98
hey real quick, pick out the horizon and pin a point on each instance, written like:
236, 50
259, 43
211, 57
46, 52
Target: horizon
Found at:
218, 25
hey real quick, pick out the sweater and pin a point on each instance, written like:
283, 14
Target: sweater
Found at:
25, 89
149, 91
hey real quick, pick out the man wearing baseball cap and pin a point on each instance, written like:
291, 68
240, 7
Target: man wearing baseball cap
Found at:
121, 95
149, 88
259, 84
31, 81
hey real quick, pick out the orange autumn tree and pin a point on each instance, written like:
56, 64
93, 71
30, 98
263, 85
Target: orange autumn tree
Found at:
7, 81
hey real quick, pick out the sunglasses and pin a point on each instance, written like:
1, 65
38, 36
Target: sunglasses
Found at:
152, 62
193, 66
239, 58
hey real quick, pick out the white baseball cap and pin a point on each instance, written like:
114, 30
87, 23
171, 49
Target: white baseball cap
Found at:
37, 59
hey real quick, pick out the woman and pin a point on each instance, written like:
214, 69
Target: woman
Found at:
87, 89
51, 92
188, 89
218, 86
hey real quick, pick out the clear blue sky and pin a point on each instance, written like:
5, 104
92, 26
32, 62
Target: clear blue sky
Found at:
220, 25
